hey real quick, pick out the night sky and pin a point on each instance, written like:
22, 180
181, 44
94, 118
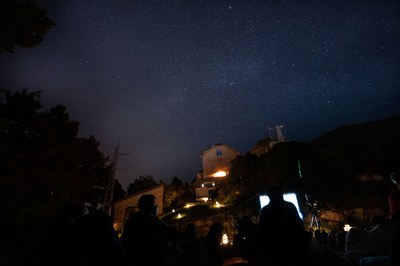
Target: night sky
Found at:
171, 78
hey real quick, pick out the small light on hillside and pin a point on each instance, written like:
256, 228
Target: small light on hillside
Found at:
188, 205
225, 239
346, 227
205, 199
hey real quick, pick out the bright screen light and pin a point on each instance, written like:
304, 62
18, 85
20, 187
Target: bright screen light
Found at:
291, 197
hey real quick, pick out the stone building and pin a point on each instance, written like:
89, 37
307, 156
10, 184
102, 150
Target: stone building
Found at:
216, 162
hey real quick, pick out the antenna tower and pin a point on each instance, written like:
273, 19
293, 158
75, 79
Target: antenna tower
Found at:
279, 133
270, 129
110, 184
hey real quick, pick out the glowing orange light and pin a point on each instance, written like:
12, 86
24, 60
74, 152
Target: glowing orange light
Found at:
220, 174
188, 205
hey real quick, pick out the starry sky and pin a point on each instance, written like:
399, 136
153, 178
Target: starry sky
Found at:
171, 78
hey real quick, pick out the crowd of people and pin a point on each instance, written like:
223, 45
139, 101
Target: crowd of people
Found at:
378, 244
278, 238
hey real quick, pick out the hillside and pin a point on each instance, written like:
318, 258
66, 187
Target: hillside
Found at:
372, 147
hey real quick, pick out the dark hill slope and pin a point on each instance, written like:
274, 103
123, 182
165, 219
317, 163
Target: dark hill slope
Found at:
372, 147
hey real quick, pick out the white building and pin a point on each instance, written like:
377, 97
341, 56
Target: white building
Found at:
216, 161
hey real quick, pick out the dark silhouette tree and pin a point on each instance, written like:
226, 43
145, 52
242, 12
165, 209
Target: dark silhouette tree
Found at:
141, 183
243, 175
176, 182
292, 165
118, 192
177, 194
22, 23
43, 164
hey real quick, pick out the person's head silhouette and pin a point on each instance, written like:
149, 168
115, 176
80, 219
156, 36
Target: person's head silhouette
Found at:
190, 230
275, 194
147, 204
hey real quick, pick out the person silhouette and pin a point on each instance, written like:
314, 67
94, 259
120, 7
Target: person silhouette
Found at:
144, 236
246, 238
379, 243
212, 243
75, 236
190, 231
281, 231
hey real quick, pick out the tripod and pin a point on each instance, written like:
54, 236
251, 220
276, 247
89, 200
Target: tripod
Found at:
314, 223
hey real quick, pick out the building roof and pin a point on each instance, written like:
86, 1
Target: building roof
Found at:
218, 145
137, 193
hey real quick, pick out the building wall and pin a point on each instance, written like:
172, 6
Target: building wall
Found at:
123, 207
217, 158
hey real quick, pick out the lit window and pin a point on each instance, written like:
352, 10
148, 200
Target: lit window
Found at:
219, 174
219, 153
